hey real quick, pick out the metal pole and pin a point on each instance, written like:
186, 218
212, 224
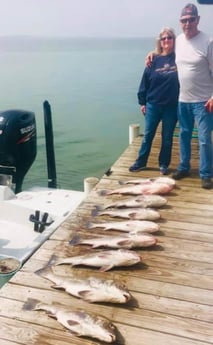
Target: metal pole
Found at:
51, 167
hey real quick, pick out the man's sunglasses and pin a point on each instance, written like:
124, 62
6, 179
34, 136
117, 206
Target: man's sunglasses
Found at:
188, 20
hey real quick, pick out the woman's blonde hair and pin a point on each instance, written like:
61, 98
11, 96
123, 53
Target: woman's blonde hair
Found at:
168, 31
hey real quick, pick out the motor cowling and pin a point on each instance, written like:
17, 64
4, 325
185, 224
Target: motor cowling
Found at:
18, 144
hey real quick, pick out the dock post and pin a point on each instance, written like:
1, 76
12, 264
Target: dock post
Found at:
89, 184
134, 131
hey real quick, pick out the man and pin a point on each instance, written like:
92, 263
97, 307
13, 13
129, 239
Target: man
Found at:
194, 59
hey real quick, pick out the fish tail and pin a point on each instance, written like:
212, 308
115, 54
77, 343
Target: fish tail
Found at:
99, 207
105, 268
43, 271
53, 260
90, 225
75, 240
95, 212
103, 192
31, 304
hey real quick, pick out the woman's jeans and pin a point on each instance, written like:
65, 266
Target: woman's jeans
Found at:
188, 114
155, 114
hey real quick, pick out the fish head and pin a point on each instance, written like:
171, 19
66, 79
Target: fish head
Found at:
107, 331
118, 292
129, 257
121, 294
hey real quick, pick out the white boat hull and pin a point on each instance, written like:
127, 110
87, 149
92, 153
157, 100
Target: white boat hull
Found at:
17, 235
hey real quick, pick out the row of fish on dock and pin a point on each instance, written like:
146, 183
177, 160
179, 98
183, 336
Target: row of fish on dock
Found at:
140, 213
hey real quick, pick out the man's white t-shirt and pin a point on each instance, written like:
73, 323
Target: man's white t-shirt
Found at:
194, 59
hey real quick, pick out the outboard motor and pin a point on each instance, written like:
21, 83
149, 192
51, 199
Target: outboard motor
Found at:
18, 146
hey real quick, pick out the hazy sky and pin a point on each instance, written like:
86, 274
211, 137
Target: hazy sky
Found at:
117, 18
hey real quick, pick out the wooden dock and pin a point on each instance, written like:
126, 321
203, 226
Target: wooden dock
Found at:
172, 288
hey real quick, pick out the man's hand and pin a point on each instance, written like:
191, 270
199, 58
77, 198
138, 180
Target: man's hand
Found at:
149, 58
209, 105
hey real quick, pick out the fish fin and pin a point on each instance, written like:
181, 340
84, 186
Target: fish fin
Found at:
59, 287
73, 323
103, 255
75, 240
93, 225
138, 201
108, 206
105, 268
75, 334
85, 294
132, 215
124, 243
97, 245
52, 316
107, 228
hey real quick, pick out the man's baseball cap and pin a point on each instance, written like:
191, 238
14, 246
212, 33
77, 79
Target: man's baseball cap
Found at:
189, 10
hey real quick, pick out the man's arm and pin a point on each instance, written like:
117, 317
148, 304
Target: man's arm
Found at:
149, 58
209, 103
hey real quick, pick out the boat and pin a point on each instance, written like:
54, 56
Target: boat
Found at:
28, 218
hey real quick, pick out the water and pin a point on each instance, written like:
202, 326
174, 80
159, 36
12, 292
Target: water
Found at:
91, 85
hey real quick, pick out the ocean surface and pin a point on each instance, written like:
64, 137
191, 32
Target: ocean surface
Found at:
91, 85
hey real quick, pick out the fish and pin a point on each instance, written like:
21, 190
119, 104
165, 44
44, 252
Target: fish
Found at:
138, 201
106, 259
164, 179
128, 241
146, 188
127, 226
161, 179
129, 213
78, 322
90, 289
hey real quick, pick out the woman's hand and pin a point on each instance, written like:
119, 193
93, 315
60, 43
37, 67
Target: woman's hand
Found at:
143, 109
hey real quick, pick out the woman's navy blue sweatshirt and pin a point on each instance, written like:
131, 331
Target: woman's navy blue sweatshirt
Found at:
159, 84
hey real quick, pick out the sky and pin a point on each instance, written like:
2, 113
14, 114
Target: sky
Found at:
102, 18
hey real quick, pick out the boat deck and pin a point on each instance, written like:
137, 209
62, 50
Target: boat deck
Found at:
172, 287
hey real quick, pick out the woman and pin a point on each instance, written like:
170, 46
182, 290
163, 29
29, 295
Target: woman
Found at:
158, 97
